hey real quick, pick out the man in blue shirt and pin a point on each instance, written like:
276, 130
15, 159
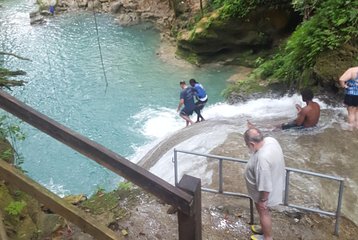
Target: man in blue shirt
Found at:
186, 99
201, 97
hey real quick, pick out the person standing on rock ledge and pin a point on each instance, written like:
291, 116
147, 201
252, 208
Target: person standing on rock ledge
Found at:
349, 81
201, 97
265, 178
186, 99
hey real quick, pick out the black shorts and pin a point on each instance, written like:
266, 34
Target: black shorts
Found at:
351, 100
200, 104
290, 125
186, 111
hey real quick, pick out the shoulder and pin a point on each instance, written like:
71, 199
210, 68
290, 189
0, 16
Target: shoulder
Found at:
269, 140
270, 143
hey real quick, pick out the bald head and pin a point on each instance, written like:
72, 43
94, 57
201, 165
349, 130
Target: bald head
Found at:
253, 135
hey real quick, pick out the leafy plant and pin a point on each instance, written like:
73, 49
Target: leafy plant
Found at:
125, 185
306, 7
100, 190
12, 133
15, 208
333, 24
240, 8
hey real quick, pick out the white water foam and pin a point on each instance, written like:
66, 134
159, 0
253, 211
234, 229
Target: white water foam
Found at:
160, 123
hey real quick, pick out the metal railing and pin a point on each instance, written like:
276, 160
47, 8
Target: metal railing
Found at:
336, 214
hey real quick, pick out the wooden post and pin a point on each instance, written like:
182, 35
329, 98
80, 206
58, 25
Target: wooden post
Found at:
190, 225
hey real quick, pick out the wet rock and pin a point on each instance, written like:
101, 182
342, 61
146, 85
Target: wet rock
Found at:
94, 5
128, 19
116, 7
50, 223
36, 18
331, 64
83, 3
75, 199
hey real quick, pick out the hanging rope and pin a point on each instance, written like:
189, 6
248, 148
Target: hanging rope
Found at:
99, 47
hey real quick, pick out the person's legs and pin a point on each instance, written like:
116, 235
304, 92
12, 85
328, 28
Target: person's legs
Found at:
197, 111
187, 119
185, 114
265, 221
356, 117
199, 107
351, 115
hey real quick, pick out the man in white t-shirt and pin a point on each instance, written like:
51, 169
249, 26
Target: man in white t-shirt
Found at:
265, 177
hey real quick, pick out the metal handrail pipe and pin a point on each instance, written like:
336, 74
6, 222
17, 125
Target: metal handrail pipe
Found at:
314, 174
339, 205
245, 161
286, 195
225, 193
212, 156
312, 210
221, 175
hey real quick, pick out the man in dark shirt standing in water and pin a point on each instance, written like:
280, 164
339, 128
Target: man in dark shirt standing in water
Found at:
307, 116
186, 99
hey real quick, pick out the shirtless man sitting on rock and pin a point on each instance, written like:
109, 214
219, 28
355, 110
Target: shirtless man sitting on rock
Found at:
307, 116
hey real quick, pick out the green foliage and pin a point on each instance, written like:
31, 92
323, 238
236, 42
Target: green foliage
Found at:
10, 130
15, 208
306, 7
334, 24
12, 133
125, 186
100, 190
240, 8
235, 8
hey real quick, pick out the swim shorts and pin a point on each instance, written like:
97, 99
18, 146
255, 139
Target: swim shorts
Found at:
187, 112
200, 104
290, 125
351, 100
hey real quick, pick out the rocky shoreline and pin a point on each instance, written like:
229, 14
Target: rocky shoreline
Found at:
126, 12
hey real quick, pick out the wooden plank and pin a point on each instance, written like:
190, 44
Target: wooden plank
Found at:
100, 154
75, 215
190, 225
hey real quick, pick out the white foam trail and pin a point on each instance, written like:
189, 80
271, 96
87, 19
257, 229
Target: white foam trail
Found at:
158, 123
193, 165
56, 188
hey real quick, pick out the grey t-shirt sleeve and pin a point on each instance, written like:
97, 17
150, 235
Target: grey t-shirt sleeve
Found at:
263, 175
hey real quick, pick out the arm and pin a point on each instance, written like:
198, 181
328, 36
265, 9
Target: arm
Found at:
181, 102
351, 73
342, 83
301, 117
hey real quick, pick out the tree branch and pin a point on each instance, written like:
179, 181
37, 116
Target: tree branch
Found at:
14, 55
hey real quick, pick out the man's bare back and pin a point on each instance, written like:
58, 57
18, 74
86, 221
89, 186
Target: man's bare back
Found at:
308, 116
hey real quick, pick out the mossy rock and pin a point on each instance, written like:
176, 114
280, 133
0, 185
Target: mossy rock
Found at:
215, 36
252, 86
109, 207
330, 65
